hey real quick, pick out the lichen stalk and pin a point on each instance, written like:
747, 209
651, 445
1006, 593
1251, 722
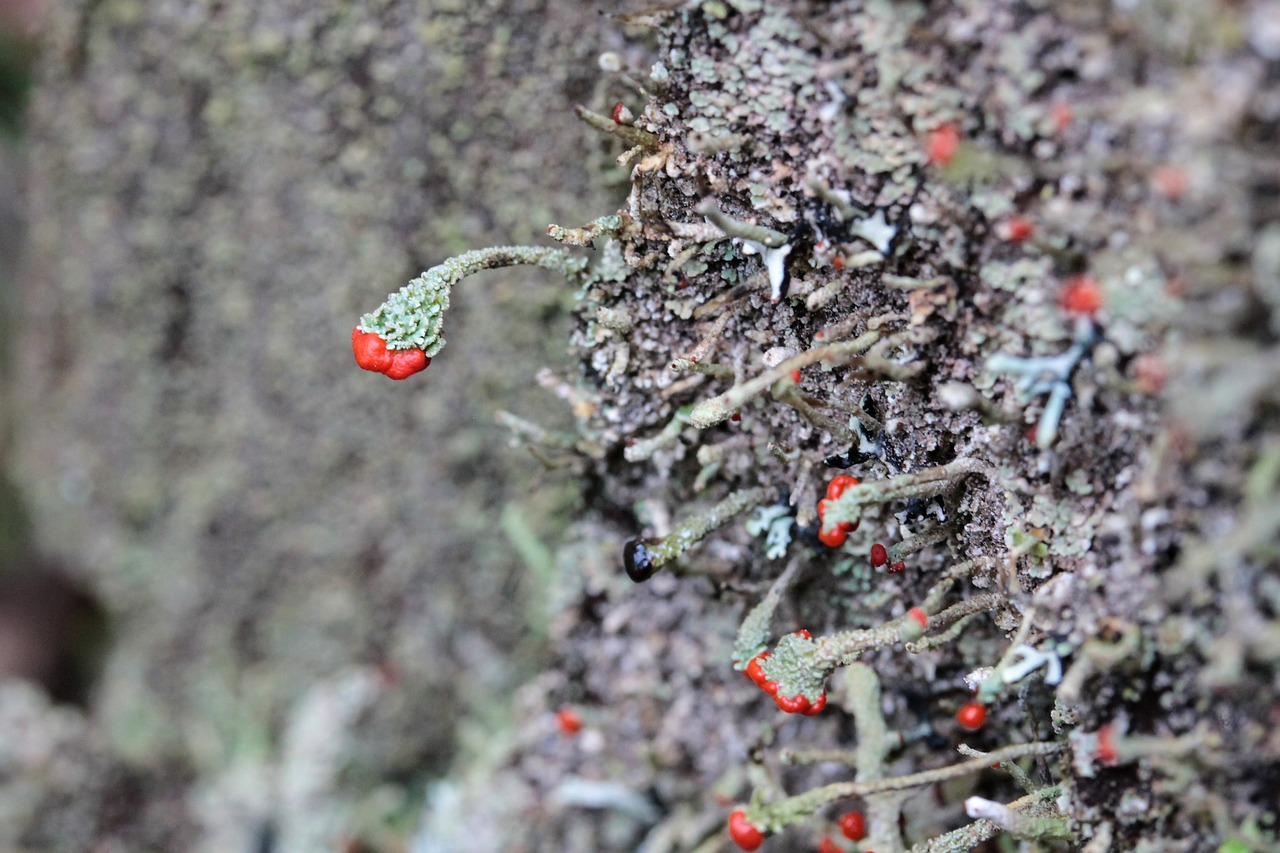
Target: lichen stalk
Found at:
711, 412
643, 558
413, 316
776, 816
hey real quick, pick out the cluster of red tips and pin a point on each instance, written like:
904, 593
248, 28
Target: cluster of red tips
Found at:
798, 704
826, 845
879, 555
853, 826
372, 354
743, 833
971, 715
1015, 230
1082, 295
568, 722
943, 143
834, 537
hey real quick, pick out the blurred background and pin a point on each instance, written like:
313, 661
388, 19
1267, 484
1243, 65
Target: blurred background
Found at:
248, 592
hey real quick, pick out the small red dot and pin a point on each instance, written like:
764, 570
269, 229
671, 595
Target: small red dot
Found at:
839, 485
1082, 295
879, 555
1015, 230
853, 826
795, 376
943, 144
1107, 744
898, 566
1062, 116
971, 715
568, 721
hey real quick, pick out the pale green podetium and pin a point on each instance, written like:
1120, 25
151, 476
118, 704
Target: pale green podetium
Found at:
413, 316
643, 557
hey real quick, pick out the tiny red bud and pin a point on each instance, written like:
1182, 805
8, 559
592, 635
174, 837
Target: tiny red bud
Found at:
1081, 295
817, 706
803, 633
853, 826
1106, 751
1170, 181
943, 143
833, 537
1014, 230
971, 715
622, 115
568, 721
406, 362
1150, 373
838, 262
745, 835
879, 555
795, 376
920, 616
898, 566
839, 485
826, 845
736, 417
797, 704
370, 350
1062, 115
755, 671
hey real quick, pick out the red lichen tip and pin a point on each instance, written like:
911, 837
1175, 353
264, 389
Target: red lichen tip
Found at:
743, 833
826, 845
1081, 295
798, 704
1062, 115
898, 566
1015, 229
1170, 181
1106, 744
920, 616
568, 721
372, 354
971, 715
879, 555
833, 537
853, 826
839, 485
943, 143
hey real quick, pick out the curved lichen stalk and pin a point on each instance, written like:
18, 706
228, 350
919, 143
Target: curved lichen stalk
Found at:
411, 320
